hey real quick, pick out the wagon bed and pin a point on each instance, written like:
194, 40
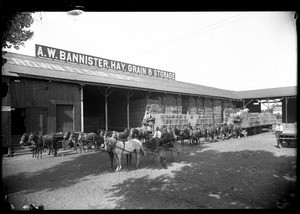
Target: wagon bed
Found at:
159, 151
288, 137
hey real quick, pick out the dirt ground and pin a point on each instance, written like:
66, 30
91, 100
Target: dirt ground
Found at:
245, 173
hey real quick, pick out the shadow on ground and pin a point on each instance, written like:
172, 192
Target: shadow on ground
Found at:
207, 179
245, 179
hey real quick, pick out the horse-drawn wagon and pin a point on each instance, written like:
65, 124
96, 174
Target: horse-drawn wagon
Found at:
287, 138
153, 147
253, 122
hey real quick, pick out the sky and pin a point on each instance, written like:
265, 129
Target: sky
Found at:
228, 50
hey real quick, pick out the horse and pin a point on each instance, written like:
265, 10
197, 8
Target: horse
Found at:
119, 148
37, 145
211, 132
224, 130
81, 139
185, 135
237, 130
24, 139
88, 140
73, 138
66, 140
196, 136
123, 136
139, 133
54, 141
230, 130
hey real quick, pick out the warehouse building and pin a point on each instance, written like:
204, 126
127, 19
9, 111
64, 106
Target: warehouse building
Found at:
77, 92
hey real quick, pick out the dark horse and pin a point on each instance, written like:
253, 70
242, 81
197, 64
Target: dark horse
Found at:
88, 140
185, 135
82, 140
211, 132
37, 145
196, 136
140, 134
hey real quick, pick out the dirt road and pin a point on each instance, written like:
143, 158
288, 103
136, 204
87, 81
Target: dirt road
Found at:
238, 173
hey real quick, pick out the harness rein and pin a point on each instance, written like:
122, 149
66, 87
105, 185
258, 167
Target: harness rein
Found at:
123, 149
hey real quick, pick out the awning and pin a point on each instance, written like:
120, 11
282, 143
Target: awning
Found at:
21, 65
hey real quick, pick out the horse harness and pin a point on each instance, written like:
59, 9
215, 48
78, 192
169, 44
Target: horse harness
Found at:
123, 149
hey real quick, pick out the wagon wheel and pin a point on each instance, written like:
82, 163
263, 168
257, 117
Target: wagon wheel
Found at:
160, 156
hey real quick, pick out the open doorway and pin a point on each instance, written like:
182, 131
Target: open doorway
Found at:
18, 121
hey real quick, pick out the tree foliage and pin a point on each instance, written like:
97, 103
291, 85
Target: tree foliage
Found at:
15, 29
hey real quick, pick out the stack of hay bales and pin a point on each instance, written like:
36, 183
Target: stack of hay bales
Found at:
199, 122
217, 111
179, 121
192, 106
208, 112
228, 114
267, 118
170, 110
155, 108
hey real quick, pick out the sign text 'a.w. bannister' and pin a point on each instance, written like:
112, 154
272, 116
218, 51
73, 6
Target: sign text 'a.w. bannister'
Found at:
68, 56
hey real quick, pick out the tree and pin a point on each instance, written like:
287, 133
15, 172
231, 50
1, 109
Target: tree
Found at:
15, 31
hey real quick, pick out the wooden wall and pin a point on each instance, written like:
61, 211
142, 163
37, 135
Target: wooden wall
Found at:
40, 98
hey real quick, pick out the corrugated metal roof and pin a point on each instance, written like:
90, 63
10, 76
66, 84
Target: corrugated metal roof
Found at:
269, 93
18, 64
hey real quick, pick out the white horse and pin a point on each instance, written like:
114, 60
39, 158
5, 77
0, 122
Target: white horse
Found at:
119, 148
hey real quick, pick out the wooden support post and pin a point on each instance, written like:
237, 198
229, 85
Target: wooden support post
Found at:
196, 105
128, 95
268, 105
213, 111
106, 94
203, 100
286, 101
188, 111
177, 105
81, 109
222, 110
148, 94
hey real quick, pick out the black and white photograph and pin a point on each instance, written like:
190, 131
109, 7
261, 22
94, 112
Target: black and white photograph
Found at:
148, 110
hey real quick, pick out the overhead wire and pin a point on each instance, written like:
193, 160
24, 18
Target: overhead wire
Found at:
195, 33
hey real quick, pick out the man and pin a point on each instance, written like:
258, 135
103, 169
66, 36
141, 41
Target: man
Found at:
157, 134
238, 115
147, 117
278, 131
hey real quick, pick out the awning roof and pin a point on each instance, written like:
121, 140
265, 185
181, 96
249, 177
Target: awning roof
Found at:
22, 65
269, 93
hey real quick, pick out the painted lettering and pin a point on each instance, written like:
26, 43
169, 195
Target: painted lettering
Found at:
62, 55
75, 58
40, 51
105, 63
123, 66
90, 60
112, 65
129, 68
51, 52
